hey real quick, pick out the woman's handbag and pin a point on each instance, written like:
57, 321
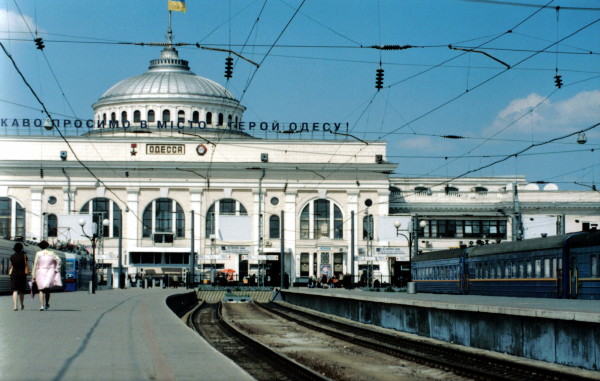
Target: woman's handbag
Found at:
33, 287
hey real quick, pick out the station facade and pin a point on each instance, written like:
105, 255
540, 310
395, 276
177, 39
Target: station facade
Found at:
175, 184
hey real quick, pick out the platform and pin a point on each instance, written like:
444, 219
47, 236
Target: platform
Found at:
111, 335
560, 331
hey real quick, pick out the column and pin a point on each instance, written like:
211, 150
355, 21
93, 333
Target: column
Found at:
290, 221
352, 207
36, 224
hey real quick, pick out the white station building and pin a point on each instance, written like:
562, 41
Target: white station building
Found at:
178, 183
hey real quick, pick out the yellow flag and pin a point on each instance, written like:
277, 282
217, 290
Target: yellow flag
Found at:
177, 5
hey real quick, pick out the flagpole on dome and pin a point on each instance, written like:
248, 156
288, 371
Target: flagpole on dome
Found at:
170, 32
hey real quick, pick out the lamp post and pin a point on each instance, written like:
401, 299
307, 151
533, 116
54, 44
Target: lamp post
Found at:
412, 237
93, 239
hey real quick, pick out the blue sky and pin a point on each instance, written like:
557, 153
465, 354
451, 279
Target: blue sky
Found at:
322, 70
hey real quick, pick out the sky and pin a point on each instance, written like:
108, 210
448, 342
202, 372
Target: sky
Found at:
482, 70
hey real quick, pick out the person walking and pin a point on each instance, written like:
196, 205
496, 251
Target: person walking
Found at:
18, 275
46, 273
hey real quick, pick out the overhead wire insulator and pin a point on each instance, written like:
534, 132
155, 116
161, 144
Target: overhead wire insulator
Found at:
379, 79
39, 43
228, 67
558, 81
41, 173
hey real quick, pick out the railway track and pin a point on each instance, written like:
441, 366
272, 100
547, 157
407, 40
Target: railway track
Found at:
258, 360
466, 364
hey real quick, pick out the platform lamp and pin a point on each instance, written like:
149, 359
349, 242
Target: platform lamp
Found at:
93, 239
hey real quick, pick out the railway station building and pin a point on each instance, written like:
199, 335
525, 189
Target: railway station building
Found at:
176, 181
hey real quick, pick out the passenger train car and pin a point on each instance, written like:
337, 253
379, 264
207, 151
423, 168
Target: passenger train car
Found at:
563, 266
75, 269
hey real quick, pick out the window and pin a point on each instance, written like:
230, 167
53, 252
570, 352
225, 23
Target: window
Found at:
181, 117
220, 119
196, 117
151, 116
103, 208
166, 116
226, 206
493, 229
123, 116
10, 208
164, 217
113, 116
209, 118
368, 227
274, 227
104, 117
321, 219
52, 225
137, 116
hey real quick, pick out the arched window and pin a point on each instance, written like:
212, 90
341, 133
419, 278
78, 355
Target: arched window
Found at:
10, 208
151, 117
137, 116
236, 122
181, 116
274, 227
227, 207
451, 190
52, 225
196, 117
103, 208
229, 118
104, 117
220, 119
209, 118
166, 117
113, 116
123, 116
368, 227
321, 219
164, 219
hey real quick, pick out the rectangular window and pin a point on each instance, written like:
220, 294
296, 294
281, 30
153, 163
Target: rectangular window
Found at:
538, 268
594, 266
547, 272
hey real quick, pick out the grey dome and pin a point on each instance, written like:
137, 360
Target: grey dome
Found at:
168, 79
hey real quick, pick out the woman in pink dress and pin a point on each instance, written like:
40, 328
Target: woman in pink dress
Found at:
46, 273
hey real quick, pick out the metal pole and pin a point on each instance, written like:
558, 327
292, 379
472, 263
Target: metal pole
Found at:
351, 249
121, 276
415, 237
192, 255
282, 254
94, 275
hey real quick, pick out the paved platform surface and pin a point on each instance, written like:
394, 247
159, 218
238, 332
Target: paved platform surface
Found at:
563, 309
112, 335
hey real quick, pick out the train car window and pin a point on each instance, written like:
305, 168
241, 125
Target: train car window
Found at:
594, 266
521, 273
499, 270
553, 267
507, 269
538, 268
547, 268
492, 272
529, 269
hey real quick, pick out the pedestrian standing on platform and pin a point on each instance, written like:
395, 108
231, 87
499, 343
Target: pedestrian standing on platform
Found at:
46, 273
18, 275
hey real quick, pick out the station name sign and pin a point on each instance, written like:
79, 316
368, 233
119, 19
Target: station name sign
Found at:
165, 149
273, 127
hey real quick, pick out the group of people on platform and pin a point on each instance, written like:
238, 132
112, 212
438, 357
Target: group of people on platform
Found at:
141, 279
329, 281
45, 274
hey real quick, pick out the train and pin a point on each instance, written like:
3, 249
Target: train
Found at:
76, 268
562, 266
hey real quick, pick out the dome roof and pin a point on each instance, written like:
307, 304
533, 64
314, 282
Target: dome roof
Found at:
168, 79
